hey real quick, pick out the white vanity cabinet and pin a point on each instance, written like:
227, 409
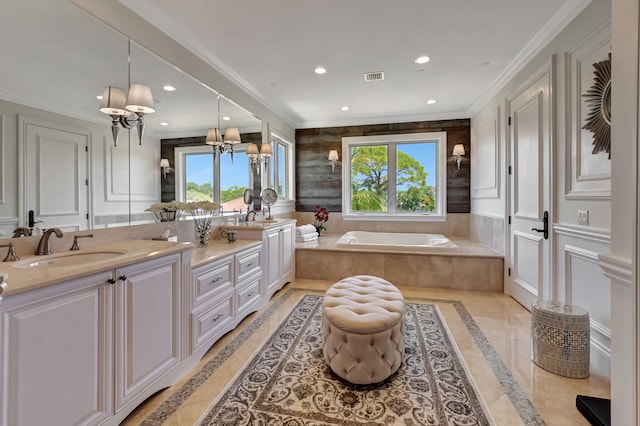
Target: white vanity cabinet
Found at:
212, 303
279, 251
87, 351
147, 325
248, 266
56, 358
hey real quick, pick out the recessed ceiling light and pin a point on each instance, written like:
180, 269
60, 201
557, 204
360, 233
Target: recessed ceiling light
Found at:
164, 123
344, 108
320, 70
226, 118
422, 60
99, 97
169, 88
431, 101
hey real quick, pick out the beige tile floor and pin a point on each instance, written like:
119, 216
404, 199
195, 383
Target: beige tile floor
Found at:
504, 322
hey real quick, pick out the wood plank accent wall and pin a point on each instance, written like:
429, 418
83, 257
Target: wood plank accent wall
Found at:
316, 185
167, 146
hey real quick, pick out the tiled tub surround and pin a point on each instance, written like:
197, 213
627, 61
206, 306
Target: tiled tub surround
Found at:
488, 231
471, 267
455, 225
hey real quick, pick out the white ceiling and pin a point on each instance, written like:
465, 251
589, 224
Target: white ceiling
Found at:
58, 58
271, 48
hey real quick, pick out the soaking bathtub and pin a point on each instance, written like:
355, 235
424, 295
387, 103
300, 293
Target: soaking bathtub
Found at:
395, 241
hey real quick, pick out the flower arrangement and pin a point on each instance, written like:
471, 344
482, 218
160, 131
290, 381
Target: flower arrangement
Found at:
165, 212
321, 216
202, 213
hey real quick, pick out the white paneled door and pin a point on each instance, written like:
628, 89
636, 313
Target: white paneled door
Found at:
54, 175
530, 189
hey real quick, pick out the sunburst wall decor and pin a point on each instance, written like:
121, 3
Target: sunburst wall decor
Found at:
598, 99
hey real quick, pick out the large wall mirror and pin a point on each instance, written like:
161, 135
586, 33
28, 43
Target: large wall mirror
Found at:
57, 155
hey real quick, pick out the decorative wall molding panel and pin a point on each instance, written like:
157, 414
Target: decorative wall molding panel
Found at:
580, 281
144, 186
116, 170
485, 143
600, 235
588, 175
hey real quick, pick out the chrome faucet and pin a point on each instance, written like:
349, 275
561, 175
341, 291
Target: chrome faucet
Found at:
246, 218
19, 232
43, 245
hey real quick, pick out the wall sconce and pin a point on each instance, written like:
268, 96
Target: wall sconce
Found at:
334, 159
458, 151
166, 167
127, 112
256, 157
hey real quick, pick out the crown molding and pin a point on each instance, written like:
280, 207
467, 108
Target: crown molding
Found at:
382, 119
558, 22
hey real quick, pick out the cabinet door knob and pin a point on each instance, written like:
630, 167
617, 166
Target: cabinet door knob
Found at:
111, 281
122, 277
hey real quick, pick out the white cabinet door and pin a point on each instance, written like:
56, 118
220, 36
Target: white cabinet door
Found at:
55, 363
147, 322
272, 253
286, 254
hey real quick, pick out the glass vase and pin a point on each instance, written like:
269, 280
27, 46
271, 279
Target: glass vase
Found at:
203, 232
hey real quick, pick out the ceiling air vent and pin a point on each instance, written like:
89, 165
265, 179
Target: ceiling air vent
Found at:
374, 76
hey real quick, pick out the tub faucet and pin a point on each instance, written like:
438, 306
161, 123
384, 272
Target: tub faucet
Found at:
43, 245
246, 218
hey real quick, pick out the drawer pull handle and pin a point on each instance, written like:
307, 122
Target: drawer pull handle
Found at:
251, 294
216, 280
250, 264
217, 317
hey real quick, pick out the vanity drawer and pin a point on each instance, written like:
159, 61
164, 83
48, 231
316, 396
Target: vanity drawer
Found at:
248, 297
210, 280
211, 321
247, 263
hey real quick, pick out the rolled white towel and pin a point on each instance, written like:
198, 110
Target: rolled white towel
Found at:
305, 229
307, 237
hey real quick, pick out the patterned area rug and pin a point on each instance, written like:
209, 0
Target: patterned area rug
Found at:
288, 382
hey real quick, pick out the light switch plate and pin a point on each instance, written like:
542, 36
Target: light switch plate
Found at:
583, 217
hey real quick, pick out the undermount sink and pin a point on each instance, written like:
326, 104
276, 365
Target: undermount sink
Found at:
67, 259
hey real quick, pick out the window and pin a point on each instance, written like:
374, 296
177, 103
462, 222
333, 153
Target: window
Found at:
199, 178
280, 177
395, 177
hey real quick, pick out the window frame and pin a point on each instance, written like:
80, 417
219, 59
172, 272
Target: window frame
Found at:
180, 153
276, 141
440, 138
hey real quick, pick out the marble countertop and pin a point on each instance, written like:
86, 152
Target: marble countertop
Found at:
124, 253
258, 224
218, 249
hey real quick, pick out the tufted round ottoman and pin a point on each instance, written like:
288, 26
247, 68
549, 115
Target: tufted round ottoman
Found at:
363, 329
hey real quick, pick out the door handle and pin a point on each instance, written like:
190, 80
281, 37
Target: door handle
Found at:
32, 220
545, 225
